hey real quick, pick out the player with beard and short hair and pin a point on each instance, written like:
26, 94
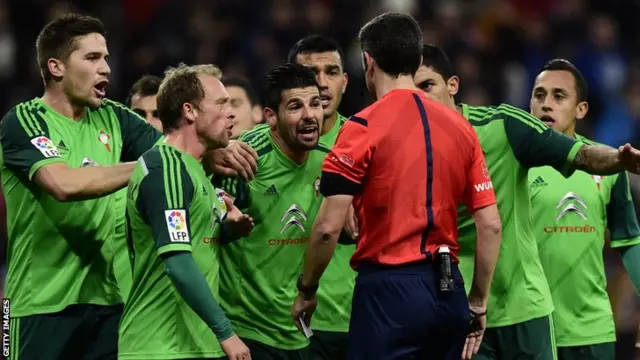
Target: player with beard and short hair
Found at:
258, 272
63, 156
519, 323
173, 212
571, 217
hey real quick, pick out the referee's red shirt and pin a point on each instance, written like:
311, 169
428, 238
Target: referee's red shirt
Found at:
409, 162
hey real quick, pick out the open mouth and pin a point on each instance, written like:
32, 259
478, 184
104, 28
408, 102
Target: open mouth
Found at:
308, 131
325, 99
100, 88
548, 120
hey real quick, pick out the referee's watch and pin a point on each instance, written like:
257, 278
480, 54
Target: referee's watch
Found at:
306, 291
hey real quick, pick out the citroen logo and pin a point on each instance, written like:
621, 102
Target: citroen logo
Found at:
571, 203
294, 216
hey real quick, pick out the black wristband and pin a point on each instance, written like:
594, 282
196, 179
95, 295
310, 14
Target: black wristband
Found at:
306, 291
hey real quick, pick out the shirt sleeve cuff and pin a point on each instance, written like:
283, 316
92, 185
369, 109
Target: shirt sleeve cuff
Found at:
336, 184
568, 166
173, 247
35, 167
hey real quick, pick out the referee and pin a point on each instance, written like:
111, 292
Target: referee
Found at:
405, 162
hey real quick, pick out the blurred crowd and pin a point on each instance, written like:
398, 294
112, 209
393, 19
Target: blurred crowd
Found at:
496, 46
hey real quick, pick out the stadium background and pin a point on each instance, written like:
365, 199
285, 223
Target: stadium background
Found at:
496, 47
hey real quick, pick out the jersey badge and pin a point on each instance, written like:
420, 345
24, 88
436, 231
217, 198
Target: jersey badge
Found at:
271, 191
62, 146
316, 186
485, 170
46, 146
347, 160
104, 138
598, 180
177, 225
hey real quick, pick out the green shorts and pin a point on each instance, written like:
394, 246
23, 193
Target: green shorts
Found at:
82, 331
260, 351
604, 351
327, 345
533, 339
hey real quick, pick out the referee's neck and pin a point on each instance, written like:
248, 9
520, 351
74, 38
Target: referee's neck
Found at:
387, 83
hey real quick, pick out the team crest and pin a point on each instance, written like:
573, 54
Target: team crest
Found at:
598, 180
316, 186
104, 139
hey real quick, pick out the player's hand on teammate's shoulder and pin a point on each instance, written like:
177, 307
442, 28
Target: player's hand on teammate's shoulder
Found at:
235, 349
239, 223
237, 159
630, 158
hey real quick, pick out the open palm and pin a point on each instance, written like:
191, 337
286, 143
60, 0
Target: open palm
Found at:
241, 224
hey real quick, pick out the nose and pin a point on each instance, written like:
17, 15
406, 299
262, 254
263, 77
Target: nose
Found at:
321, 78
105, 69
546, 104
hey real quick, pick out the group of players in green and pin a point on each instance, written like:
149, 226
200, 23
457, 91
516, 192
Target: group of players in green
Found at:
212, 270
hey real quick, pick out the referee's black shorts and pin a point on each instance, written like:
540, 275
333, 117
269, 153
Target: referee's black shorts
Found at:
399, 313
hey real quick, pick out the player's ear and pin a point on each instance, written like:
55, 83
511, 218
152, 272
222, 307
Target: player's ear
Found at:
270, 117
346, 81
582, 109
56, 67
190, 112
453, 85
256, 114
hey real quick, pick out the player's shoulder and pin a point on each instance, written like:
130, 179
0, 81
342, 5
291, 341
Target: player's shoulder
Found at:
26, 117
120, 111
585, 140
259, 138
162, 158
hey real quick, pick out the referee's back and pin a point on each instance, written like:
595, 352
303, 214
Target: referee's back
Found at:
410, 162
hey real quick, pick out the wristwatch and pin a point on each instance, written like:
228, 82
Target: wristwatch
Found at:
306, 291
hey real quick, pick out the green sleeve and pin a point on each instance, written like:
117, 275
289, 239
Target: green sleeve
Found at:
137, 135
622, 221
26, 143
195, 291
164, 196
535, 144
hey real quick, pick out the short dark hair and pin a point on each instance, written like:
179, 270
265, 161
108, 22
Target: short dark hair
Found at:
582, 89
285, 77
315, 43
394, 41
147, 85
245, 84
181, 85
58, 38
435, 58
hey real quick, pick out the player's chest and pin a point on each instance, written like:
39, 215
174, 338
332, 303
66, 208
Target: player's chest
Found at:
287, 200
582, 195
88, 144
207, 212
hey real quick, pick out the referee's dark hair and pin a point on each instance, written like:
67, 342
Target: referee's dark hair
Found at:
147, 85
435, 58
314, 44
582, 89
285, 77
245, 85
394, 41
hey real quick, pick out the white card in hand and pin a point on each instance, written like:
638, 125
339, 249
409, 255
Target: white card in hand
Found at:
307, 331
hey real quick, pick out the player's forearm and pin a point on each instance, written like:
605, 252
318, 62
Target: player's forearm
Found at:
194, 290
487, 252
67, 184
631, 260
598, 159
322, 245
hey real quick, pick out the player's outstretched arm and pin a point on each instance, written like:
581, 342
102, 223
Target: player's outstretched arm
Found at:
67, 184
605, 160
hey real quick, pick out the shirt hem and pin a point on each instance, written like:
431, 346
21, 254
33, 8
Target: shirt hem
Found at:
163, 356
593, 341
519, 320
247, 334
330, 329
53, 309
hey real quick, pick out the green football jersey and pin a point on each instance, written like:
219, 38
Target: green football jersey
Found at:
513, 141
258, 273
171, 206
570, 217
121, 265
334, 296
57, 252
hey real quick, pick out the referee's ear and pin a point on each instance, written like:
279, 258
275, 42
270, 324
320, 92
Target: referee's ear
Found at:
453, 85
